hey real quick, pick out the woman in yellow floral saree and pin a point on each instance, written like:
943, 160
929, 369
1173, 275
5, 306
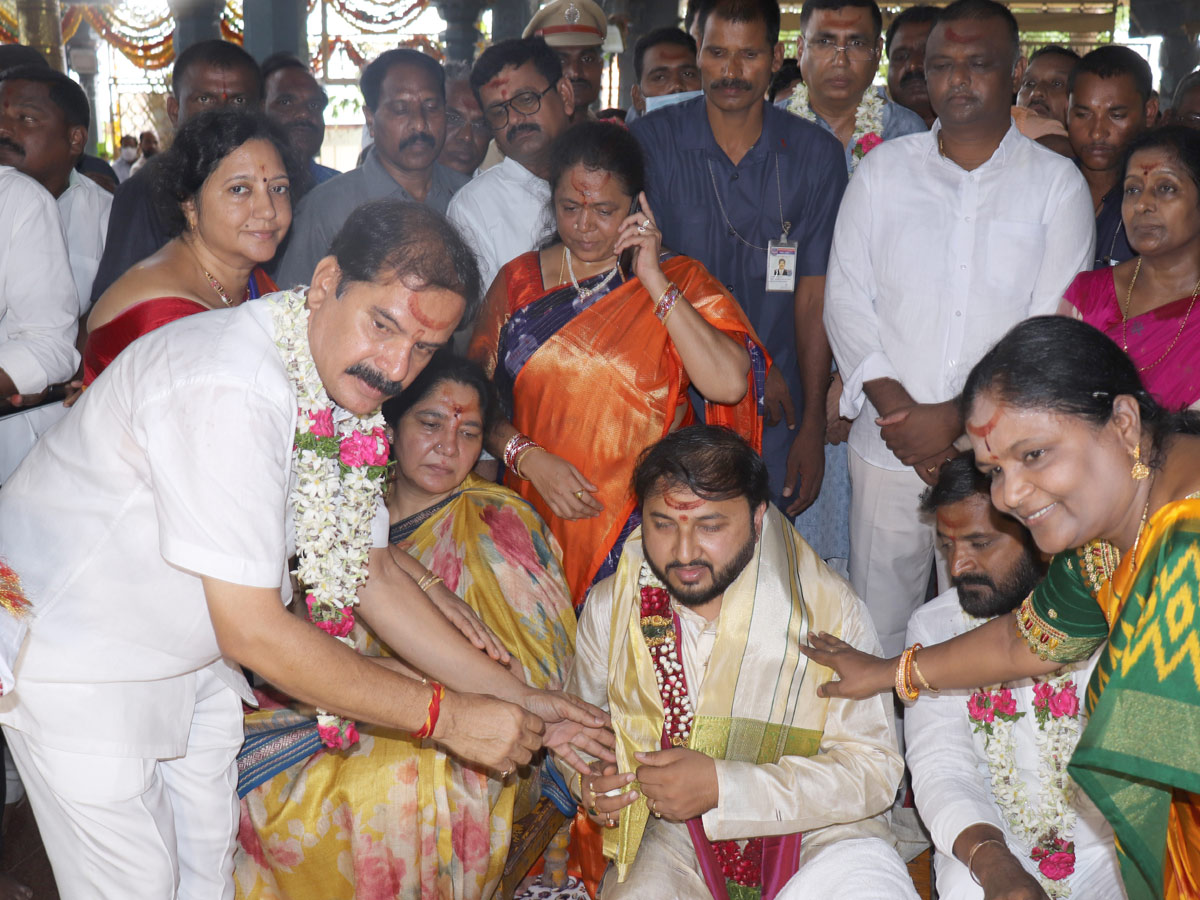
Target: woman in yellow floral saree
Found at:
1104, 477
395, 816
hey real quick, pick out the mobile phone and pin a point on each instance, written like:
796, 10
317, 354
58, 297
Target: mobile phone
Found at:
625, 262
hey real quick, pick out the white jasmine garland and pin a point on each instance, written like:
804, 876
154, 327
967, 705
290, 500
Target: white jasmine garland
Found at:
1046, 825
868, 118
340, 464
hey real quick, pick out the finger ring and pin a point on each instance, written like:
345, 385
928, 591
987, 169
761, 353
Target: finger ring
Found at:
931, 469
641, 229
506, 772
579, 495
646, 223
593, 812
609, 819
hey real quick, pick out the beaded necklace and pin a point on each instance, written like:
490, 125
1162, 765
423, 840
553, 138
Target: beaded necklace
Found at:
741, 865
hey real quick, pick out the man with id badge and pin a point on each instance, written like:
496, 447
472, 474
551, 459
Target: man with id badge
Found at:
752, 192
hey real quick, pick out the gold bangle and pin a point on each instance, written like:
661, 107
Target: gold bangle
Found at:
428, 580
904, 686
921, 678
974, 850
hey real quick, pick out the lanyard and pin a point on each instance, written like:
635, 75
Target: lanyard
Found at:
784, 226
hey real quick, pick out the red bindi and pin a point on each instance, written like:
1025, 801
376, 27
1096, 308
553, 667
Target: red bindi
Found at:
957, 36
982, 431
424, 319
1146, 170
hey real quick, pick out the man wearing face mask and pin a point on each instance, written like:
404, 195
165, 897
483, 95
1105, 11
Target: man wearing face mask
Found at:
527, 102
664, 64
574, 30
126, 158
404, 99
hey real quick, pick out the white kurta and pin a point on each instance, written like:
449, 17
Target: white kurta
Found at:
502, 213
39, 305
951, 781
84, 207
930, 265
834, 797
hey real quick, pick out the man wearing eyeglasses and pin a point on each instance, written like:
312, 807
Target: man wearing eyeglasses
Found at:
467, 133
839, 50
404, 99
526, 103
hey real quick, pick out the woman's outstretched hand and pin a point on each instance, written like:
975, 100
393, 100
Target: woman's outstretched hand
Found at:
860, 675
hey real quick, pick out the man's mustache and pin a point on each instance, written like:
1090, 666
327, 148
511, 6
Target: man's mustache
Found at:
514, 132
375, 379
909, 77
973, 580
13, 146
419, 138
738, 83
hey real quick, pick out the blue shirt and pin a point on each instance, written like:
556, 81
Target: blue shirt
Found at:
689, 178
320, 173
897, 122
1112, 244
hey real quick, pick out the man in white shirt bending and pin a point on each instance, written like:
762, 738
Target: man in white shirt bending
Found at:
150, 532
527, 103
956, 764
943, 242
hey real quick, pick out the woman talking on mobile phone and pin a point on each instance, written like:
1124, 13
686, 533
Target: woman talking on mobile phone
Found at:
593, 342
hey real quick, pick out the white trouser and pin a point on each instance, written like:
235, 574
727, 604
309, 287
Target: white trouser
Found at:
118, 828
890, 547
853, 869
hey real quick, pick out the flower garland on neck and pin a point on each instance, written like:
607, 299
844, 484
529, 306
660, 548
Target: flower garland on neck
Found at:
741, 861
1046, 825
340, 463
868, 120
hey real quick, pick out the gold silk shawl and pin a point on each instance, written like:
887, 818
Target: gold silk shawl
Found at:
759, 700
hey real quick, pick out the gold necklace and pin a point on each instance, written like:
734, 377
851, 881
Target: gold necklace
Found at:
1125, 318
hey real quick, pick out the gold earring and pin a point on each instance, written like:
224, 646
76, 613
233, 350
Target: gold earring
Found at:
1140, 471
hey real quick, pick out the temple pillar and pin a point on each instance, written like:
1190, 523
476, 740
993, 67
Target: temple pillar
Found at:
81, 53
273, 26
39, 25
195, 21
509, 18
462, 27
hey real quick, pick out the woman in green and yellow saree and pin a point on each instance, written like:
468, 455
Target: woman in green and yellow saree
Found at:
1109, 481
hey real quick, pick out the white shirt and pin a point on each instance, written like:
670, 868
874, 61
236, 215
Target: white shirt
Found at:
932, 264
39, 305
84, 207
502, 213
950, 776
175, 463
856, 763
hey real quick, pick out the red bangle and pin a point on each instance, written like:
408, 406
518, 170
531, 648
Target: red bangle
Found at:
435, 708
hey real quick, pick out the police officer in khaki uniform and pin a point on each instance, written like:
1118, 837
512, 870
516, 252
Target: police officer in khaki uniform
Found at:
575, 29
